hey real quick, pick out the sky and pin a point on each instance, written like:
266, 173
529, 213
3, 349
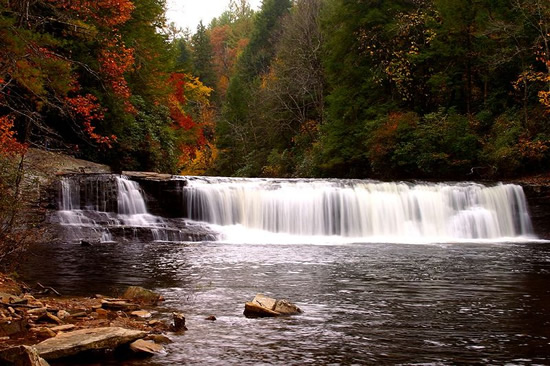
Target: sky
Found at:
188, 13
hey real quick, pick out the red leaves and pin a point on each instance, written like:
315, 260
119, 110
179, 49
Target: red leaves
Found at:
87, 109
117, 59
9, 145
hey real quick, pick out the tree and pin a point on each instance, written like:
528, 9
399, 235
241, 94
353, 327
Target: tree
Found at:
291, 95
237, 131
203, 57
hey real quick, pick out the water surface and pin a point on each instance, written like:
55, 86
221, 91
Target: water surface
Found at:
363, 303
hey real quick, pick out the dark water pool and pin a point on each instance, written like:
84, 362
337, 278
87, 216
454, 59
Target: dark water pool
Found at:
364, 304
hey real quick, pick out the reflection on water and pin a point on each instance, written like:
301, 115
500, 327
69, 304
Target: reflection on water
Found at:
363, 303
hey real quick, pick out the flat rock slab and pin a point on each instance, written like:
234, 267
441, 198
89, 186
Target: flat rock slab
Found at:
73, 343
146, 347
119, 305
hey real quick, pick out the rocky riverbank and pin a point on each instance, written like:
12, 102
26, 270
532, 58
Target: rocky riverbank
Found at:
59, 327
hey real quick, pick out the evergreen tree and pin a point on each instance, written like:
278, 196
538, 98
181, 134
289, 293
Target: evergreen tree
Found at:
203, 57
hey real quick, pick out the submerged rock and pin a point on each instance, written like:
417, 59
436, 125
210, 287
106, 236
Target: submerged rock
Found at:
73, 343
263, 306
141, 295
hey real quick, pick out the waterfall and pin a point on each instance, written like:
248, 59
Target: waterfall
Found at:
107, 208
366, 210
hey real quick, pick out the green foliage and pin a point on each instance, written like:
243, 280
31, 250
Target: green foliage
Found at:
501, 150
202, 57
405, 145
149, 142
240, 137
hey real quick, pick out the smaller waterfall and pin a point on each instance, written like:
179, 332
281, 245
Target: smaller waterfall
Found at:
107, 208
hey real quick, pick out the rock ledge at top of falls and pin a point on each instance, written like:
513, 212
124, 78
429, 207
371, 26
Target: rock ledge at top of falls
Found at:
72, 343
148, 175
264, 306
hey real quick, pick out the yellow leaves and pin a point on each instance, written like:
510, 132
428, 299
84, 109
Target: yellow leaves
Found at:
268, 79
196, 91
202, 161
544, 98
533, 150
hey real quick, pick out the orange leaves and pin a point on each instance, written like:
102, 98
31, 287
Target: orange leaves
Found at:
108, 13
87, 109
532, 150
9, 146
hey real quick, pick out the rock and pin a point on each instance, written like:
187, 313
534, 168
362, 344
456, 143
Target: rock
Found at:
148, 347
63, 314
141, 295
49, 318
21, 356
141, 314
158, 338
179, 322
253, 310
75, 342
37, 311
43, 332
5, 298
211, 318
263, 306
63, 328
80, 314
285, 307
102, 313
12, 299
119, 305
9, 327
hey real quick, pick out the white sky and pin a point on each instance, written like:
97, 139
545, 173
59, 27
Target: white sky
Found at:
188, 13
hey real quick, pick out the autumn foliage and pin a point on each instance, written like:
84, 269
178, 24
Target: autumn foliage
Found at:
9, 145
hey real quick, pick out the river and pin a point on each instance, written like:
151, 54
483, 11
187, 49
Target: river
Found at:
363, 303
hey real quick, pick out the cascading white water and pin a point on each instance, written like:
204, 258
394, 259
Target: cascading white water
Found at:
398, 212
74, 218
83, 210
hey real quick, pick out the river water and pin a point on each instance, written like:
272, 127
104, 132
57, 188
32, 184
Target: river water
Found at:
363, 303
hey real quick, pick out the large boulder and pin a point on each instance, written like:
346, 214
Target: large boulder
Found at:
264, 306
73, 343
21, 356
12, 326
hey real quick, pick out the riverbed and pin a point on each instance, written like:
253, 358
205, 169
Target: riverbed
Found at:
363, 303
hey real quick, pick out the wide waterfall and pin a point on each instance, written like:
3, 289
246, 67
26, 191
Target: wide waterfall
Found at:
362, 210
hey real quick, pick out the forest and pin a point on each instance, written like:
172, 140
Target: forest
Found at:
388, 89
